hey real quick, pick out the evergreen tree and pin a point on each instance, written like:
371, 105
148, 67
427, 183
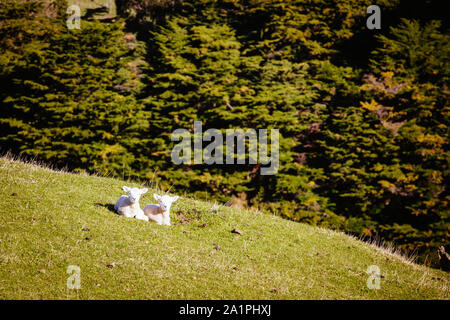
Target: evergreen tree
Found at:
70, 98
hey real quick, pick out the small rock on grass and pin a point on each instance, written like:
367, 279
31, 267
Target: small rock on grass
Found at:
111, 265
235, 230
275, 290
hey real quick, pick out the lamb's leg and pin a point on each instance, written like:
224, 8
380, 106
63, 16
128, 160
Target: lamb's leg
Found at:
125, 212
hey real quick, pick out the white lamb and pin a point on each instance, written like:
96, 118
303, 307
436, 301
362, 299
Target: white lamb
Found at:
128, 206
160, 213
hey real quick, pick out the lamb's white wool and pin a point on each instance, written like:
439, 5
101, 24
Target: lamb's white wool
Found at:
128, 206
160, 213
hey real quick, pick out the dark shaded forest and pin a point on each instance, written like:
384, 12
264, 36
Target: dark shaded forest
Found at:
362, 113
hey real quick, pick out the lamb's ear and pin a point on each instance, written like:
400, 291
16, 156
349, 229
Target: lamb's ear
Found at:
157, 198
144, 190
175, 198
126, 189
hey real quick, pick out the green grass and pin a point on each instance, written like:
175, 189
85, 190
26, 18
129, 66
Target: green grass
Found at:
43, 212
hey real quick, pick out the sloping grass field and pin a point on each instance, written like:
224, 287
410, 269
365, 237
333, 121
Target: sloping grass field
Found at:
50, 220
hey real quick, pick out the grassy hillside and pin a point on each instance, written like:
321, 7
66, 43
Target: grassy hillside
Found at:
50, 220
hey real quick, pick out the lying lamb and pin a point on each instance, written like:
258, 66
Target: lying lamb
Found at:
128, 206
160, 213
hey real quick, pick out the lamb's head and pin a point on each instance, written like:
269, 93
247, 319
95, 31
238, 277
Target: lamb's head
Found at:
134, 194
165, 201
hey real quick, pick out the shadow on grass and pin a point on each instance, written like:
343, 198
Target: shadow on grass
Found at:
108, 206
